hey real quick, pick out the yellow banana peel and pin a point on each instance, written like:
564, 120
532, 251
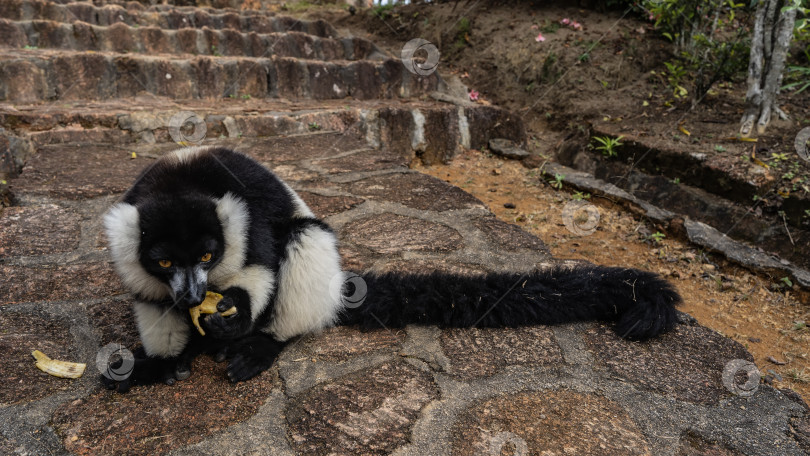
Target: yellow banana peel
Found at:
57, 368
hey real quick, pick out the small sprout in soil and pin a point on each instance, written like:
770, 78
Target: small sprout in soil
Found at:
550, 27
606, 145
246, 96
314, 126
786, 281
676, 180
214, 51
586, 57
799, 325
778, 158
801, 376
579, 196
558, 181
657, 237
719, 148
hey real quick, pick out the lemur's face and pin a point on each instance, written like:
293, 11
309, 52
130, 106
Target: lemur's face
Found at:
181, 241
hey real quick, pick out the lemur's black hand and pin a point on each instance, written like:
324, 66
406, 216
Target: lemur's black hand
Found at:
231, 327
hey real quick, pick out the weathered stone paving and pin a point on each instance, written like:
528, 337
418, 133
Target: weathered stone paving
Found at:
572, 389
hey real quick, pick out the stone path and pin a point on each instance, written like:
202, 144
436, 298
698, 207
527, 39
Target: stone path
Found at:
574, 389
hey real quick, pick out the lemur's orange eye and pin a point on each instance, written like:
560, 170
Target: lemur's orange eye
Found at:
165, 263
206, 258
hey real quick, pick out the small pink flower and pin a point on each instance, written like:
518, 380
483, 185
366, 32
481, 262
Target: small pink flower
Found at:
540, 38
565, 21
652, 17
474, 95
576, 25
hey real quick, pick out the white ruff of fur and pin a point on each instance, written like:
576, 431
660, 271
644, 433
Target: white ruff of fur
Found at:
234, 217
124, 236
164, 332
305, 303
187, 154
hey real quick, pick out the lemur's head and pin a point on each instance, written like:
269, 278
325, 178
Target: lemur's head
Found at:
165, 247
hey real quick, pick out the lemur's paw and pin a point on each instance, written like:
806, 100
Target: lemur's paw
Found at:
242, 368
220, 327
221, 355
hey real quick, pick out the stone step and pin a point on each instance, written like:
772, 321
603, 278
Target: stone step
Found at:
28, 75
165, 17
123, 38
431, 131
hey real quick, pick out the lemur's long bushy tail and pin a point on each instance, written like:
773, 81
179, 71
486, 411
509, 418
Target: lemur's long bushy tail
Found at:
641, 303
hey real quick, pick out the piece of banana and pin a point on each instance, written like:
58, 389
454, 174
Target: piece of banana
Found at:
208, 306
63, 369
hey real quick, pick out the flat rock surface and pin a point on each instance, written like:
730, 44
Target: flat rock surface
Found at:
548, 422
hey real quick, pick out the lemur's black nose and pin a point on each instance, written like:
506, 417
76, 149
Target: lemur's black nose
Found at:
189, 289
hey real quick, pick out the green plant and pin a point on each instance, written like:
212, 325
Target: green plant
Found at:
558, 181
314, 126
549, 71
606, 145
214, 51
779, 157
676, 74
719, 148
579, 196
549, 26
787, 282
710, 38
383, 11
657, 237
463, 30
676, 180
800, 75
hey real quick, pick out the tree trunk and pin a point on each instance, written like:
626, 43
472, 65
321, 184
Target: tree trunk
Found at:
773, 30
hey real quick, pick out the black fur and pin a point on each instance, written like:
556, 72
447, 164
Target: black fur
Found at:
641, 303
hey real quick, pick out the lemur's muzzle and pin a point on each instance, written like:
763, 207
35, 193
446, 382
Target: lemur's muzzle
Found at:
189, 286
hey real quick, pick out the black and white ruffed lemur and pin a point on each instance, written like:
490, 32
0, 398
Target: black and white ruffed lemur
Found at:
211, 219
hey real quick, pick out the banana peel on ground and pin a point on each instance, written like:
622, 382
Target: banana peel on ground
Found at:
57, 368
